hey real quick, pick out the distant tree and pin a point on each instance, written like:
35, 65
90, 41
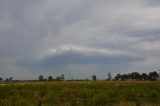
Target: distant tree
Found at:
109, 76
41, 78
129, 76
94, 78
135, 76
7, 79
124, 77
10, 78
117, 77
58, 78
144, 76
153, 76
62, 77
1, 78
50, 78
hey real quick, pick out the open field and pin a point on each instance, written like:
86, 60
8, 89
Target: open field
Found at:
99, 93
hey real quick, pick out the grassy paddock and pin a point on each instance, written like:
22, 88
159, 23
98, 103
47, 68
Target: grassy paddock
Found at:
89, 93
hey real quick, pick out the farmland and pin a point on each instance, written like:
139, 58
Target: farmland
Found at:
80, 93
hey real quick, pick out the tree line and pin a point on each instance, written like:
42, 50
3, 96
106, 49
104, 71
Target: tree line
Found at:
51, 78
153, 76
7, 79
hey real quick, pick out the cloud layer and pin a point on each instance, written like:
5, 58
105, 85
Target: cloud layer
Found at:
75, 55
78, 38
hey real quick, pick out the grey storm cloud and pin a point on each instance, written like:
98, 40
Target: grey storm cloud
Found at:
152, 3
115, 35
71, 56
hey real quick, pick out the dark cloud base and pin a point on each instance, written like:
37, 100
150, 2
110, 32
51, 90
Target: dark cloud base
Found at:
78, 58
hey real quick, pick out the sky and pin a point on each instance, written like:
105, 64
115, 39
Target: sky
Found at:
78, 38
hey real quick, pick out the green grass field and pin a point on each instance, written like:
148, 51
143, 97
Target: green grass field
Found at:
99, 93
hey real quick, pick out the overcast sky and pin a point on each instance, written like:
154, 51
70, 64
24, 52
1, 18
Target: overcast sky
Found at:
78, 38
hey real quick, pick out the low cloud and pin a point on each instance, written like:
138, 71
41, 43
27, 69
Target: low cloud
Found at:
82, 56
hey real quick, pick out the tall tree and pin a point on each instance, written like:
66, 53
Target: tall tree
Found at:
109, 76
1, 78
50, 78
124, 77
153, 76
94, 78
117, 77
41, 78
135, 76
144, 76
10, 78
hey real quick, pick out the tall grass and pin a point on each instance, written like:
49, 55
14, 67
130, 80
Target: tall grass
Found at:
100, 93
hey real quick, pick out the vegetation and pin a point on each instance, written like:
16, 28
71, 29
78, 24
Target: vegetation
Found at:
153, 76
41, 78
109, 76
132, 89
87, 93
94, 78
